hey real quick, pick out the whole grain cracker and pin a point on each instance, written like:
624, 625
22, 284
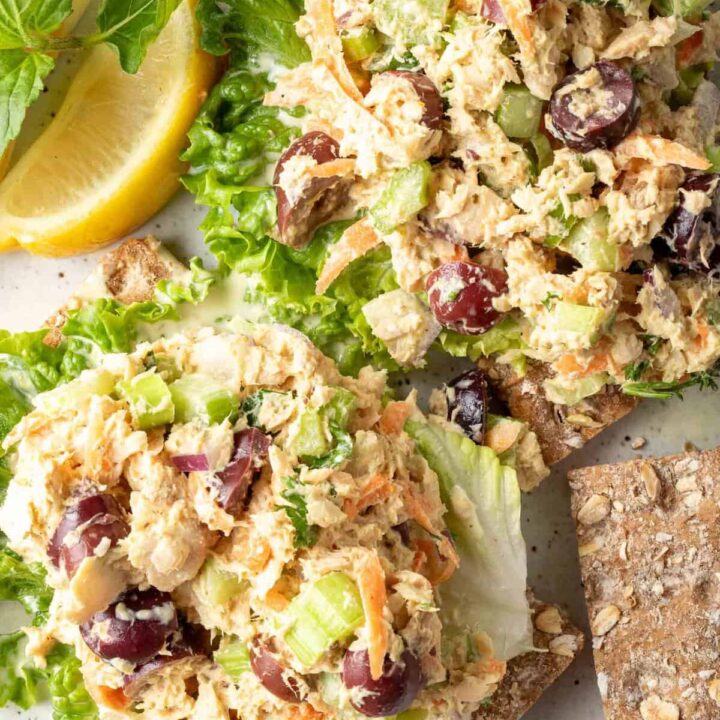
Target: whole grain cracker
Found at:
652, 583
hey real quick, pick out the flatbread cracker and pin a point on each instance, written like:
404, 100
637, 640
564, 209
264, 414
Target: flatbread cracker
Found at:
559, 429
530, 675
649, 535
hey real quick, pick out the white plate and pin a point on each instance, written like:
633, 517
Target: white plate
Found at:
32, 288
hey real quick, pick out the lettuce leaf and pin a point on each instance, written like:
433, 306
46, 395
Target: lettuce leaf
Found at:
488, 591
69, 698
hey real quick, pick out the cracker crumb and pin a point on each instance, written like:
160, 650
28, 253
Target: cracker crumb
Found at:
596, 508
714, 691
606, 620
656, 709
549, 621
565, 645
650, 480
638, 442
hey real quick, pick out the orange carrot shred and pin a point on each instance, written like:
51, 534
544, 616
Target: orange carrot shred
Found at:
371, 583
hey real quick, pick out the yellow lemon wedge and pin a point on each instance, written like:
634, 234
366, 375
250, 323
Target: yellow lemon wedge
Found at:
109, 159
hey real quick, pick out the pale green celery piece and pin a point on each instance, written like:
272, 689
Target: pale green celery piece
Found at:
414, 22
579, 319
360, 45
335, 694
340, 407
234, 658
405, 196
543, 151
588, 243
519, 112
311, 439
91, 382
682, 8
326, 612
561, 394
713, 155
149, 399
219, 586
200, 397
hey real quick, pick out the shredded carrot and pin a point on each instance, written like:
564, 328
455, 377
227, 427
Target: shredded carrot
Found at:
327, 46
686, 49
570, 365
439, 568
703, 331
415, 506
377, 489
371, 583
335, 168
518, 15
357, 240
114, 698
394, 416
258, 554
304, 711
660, 151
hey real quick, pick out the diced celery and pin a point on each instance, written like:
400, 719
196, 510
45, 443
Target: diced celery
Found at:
219, 586
682, 8
335, 694
339, 409
405, 196
91, 382
543, 151
578, 318
324, 613
561, 394
418, 714
411, 23
201, 397
149, 398
234, 658
360, 45
713, 155
519, 112
311, 439
588, 243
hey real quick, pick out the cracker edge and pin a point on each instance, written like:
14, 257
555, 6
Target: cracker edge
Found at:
528, 676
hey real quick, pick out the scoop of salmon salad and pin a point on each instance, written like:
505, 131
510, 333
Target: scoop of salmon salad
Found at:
519, 180
233, 529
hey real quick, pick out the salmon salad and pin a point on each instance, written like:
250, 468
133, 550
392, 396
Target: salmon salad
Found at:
504, 179
233, 529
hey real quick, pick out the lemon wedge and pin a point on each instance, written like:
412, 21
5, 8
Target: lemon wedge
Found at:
109, 159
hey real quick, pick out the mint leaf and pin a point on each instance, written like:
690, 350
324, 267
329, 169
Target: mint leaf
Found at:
130, 26
257, 26
21, 81
24, 22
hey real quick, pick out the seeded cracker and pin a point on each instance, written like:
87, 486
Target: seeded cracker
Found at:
649, 536
530, 675
560, 429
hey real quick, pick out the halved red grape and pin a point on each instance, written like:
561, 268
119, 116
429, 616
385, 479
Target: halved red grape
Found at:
189, 641
692, 239
316, 199
86, 524
427, 93
393, 692
279, 680
251, 448
492, 11
467, 403
595, 107
461, 294
134, 628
